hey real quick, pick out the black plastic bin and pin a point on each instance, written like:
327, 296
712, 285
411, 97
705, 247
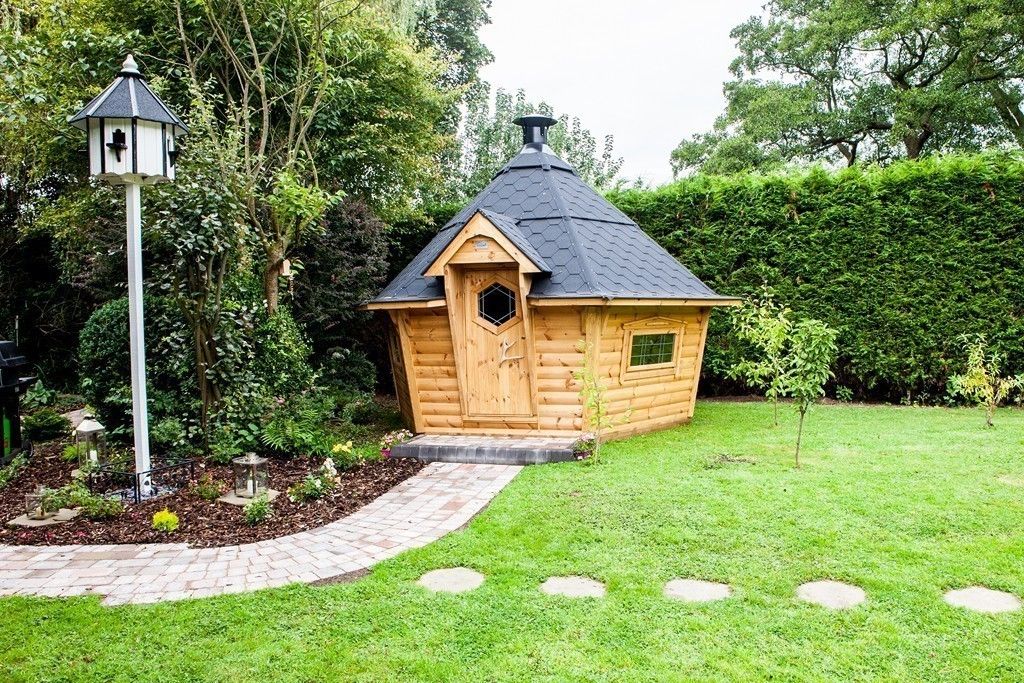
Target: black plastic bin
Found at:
14, 381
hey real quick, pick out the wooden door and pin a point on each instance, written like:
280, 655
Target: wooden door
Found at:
497, 362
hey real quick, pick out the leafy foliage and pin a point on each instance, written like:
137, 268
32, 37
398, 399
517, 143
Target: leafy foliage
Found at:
257, 511
595, 403
314, 485
166, 521
861, 80
77, 495
45, 424
208, 488
982, 382
296, 426
490, 139
899, 260
11, 470
764, 324
808, 362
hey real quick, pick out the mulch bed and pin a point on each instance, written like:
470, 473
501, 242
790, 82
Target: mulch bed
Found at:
203, 524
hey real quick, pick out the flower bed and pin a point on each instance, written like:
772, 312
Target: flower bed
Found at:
202, 523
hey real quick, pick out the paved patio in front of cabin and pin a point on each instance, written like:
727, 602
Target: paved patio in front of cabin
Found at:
420, 510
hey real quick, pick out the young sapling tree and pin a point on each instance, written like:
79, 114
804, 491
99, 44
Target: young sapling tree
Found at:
982, 382
765, 324
595, 404
808, 362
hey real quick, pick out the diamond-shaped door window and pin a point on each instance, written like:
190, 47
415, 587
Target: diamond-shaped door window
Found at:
496, 304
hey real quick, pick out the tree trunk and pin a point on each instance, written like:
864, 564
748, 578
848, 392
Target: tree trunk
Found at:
1009, 111
799, 434
775, 404
271, 275
990, 411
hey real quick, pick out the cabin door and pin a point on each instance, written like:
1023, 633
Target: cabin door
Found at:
497, 364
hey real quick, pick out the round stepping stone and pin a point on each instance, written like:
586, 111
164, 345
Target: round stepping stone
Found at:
831, 594
453, 580
981, 599
1010, 480
693, 590
573, 587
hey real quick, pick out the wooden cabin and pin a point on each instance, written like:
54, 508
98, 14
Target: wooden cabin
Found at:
490, 316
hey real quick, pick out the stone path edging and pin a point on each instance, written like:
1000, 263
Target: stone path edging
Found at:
422, 509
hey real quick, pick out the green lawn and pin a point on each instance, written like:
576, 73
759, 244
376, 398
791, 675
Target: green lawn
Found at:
904, 502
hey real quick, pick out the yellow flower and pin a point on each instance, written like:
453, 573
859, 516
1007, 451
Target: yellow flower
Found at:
342, 447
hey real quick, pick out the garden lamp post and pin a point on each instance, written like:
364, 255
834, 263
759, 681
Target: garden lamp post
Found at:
132, 142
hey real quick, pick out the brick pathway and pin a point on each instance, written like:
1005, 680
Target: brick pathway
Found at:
440, 499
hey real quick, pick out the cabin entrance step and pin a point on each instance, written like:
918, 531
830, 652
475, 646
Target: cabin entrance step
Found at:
495, 450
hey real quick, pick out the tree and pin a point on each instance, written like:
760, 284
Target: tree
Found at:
982, 382
491, 138
452, 29
592, 394
862, 80
809, 358
765, 324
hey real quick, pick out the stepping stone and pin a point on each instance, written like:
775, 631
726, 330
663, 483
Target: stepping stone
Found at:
1010, 480
62, 516
231, 499
692, 590
453, 580
831, 594
573, 587
981, 599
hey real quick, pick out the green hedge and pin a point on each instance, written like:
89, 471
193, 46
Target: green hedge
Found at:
901, 260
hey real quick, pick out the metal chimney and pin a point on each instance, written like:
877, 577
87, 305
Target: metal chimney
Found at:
535, 128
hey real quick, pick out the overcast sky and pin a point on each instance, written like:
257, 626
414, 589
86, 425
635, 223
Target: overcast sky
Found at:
649, 72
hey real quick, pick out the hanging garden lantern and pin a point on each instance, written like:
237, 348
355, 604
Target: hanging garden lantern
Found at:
132, 142
251, 475
91, 442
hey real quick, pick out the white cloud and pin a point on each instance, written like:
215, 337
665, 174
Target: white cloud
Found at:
649, 72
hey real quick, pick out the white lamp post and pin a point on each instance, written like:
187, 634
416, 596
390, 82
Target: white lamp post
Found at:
132, 142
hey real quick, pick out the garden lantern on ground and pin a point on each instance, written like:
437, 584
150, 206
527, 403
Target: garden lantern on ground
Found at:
251, 475
132, 142
91, 442
35, 504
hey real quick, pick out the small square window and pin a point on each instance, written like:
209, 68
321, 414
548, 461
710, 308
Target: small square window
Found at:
652, 349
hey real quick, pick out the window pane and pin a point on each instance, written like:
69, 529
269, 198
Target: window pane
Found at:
652, 349
497, 304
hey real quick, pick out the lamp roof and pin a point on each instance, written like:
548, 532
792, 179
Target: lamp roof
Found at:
128, 97
88, 426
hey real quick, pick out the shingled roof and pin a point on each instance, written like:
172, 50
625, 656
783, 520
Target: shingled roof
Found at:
588, 248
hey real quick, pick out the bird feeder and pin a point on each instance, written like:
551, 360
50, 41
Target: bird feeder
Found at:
132, 133
251, 475
91, 443
132, 142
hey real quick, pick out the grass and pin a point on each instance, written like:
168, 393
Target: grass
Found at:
904, 502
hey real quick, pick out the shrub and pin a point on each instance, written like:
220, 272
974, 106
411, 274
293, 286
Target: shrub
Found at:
391, 439
11, 470
893, 258
257, 511
982, 382
77, 495
104, 359
297, 425
38, 396
208, 488
361, 410
45, 424
165, 521
169, 435
585, 446
343, 455
315, 485
282, 355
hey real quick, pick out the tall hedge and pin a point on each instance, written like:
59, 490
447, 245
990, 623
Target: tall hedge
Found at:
900, 259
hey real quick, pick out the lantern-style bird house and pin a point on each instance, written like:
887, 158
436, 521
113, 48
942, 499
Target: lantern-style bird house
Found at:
91, 443
132, 133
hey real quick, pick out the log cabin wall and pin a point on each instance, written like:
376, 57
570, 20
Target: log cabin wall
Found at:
651, 399
645, 400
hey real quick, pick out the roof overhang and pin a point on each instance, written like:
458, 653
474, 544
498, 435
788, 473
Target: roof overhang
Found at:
566, 301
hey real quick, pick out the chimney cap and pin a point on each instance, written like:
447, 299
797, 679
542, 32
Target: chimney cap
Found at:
535, 128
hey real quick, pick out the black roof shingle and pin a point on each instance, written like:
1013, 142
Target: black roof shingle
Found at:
589, 247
